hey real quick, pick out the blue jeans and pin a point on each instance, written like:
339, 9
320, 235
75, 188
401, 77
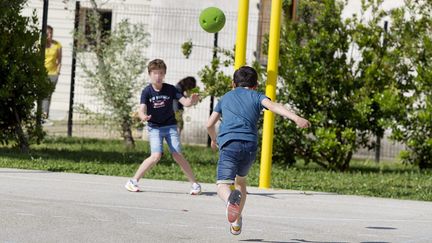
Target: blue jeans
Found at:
157, 135
235, 159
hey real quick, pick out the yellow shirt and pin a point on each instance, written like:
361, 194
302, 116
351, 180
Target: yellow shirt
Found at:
51, 54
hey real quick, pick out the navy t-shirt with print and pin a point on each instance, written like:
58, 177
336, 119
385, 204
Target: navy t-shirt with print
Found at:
160, 104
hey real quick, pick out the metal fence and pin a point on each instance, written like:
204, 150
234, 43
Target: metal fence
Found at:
389, 151
169, 28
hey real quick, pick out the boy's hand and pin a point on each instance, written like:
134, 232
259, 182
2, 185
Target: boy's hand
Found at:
214, 145
145, 118
301, 122
194, 98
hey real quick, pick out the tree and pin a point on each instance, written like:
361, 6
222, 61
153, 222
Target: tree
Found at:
216, 81
412, 31
115, 73
344, 95
24, 79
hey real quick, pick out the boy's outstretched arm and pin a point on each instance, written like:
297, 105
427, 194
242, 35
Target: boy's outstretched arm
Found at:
189, 101
142, 113
211, 128
283, 111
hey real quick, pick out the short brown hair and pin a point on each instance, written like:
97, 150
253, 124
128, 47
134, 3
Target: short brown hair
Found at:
156, 64
245, 77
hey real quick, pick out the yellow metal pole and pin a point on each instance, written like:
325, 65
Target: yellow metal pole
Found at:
272, 73
241, 38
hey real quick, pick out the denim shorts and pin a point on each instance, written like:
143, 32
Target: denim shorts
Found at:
157, 135
235, 159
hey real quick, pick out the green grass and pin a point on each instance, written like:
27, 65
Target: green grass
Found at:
109, 157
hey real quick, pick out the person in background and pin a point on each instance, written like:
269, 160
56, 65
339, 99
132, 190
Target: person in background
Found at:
184, 87
53, 63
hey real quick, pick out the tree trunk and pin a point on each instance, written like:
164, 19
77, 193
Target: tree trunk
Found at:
127, 134
346, 163
22, 138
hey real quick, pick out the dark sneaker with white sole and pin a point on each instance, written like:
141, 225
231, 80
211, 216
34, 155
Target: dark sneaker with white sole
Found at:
233, 206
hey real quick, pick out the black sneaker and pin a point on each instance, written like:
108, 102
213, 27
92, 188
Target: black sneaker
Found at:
233, 206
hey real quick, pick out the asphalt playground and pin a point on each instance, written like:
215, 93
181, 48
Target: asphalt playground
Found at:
41, 206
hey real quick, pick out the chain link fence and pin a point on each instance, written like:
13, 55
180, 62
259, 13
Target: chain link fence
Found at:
169, 28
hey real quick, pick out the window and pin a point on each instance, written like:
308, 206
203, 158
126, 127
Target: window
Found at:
86, 29
264, 24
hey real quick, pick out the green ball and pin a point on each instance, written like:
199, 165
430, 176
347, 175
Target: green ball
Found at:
212, 19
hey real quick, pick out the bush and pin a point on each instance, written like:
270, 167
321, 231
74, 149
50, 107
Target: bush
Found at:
24, 79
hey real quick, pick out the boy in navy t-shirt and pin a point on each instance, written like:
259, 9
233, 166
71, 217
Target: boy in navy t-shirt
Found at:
157, 110
237, 139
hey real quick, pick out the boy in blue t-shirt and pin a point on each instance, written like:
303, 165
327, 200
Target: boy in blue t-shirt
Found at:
157, 110
237, 139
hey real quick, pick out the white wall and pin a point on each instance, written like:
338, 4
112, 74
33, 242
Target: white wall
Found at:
167, 31
170, 23
61, 16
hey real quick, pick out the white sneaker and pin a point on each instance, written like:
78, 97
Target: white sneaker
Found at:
196, 189
236, 227
132, 186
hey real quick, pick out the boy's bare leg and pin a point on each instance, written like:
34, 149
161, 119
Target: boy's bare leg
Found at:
185, 166
223, 191
146, 165
240, 184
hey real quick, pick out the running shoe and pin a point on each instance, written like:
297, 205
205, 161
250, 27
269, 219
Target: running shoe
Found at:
195, 189
236, 228
233, 206
132, 186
